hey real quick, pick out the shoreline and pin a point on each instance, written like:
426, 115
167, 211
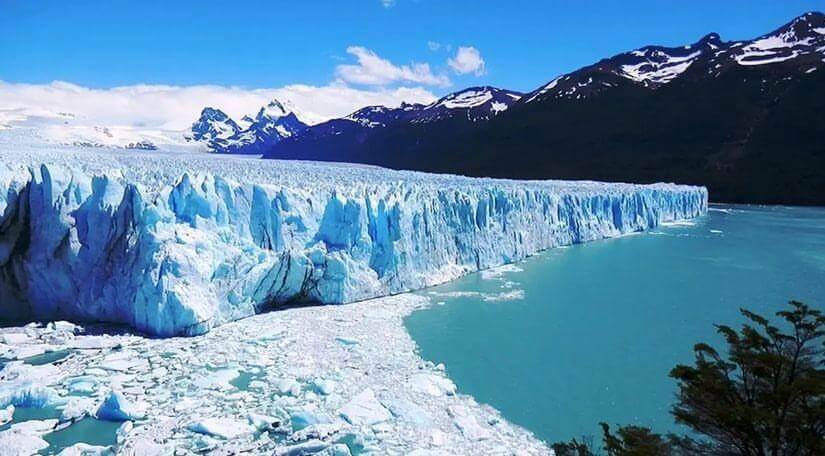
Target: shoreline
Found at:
338, 379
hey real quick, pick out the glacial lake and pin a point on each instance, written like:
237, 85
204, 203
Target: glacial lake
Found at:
584, 334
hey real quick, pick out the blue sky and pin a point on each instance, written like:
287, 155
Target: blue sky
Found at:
257, 44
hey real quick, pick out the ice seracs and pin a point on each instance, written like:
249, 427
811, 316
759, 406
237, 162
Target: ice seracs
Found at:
112, 237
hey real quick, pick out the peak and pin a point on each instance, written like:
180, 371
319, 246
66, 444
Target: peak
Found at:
212, 113
273, 110
275, 104
712, 38
812, 16
804, 25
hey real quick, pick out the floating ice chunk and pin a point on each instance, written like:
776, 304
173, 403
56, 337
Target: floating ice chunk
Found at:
301, 419
84, 449
498, 273
204, 443
15, 338
124, 361
364, 409
322, 386
27, 394
304, 448
347, 341
261, 422
225, 428
6, 414
27, 351
123, 431
455, 294
84, 384
512, 295
467, 423
13, 442
25, 438
339, 449
94, 342
76, 407
434, 385
219, 380
410, 412
64, 326
287, 386
428, 452
116, 408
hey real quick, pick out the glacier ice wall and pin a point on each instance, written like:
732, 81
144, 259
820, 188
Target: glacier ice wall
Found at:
176, 254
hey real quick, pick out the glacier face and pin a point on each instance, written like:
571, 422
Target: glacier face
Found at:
133, 238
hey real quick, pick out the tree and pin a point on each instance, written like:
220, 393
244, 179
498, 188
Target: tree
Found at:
634, 441
573, 448
767, 397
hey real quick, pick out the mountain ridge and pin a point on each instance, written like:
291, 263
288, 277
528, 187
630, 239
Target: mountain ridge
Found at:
742, 117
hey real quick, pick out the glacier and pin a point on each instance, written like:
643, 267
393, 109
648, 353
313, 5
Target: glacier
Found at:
178, 243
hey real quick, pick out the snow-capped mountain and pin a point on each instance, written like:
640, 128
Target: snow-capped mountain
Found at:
214, 127
654, 66
742, 117
221, 134
475, 104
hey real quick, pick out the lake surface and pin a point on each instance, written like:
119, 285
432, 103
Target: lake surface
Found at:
589, 333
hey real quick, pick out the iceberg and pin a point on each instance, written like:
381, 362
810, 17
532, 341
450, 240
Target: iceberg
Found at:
116, 408
106, 236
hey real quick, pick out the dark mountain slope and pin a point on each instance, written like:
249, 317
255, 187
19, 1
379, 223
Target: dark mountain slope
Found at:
744, 118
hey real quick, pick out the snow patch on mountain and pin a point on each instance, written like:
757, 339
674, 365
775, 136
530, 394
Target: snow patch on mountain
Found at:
654, 66
658, 66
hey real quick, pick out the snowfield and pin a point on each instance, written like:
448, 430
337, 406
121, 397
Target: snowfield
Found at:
179, 243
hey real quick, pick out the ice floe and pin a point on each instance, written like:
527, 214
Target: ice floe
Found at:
303, 391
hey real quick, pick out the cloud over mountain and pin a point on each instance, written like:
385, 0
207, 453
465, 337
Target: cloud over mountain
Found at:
174, 107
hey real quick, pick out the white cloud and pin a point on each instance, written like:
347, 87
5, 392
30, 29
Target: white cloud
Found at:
387, 3
176, 107
467, 60
376, 71
434, 46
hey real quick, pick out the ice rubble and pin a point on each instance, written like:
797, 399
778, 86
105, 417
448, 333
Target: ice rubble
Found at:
177, 244
374, 397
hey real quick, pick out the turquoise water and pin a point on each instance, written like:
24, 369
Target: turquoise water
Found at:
88, 430
600, 325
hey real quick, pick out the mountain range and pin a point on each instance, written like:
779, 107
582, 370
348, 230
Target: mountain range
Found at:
745, 118
221, 134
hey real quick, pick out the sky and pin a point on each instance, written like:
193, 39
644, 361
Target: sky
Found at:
339, 54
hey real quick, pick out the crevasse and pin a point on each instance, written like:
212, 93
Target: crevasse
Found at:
180, 256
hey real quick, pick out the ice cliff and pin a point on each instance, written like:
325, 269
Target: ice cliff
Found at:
137, 240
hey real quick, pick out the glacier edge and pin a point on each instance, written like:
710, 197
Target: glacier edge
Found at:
179, 255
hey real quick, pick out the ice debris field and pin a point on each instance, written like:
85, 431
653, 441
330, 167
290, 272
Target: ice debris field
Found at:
183, 244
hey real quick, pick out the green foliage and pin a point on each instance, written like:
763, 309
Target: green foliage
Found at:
573, 448
634, 441
767, 397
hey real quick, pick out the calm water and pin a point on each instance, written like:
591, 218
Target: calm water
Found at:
589, 333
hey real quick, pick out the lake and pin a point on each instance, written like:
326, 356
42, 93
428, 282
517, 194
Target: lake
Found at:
584, 334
